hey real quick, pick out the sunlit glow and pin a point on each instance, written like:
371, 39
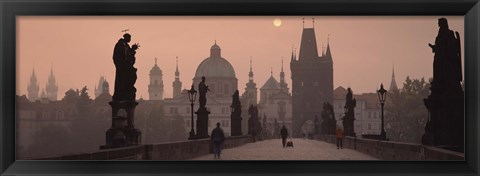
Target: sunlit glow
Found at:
277, 22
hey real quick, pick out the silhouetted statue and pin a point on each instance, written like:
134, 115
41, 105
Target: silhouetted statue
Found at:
447, 68
254, 126
122, 131
125, 73
445, 124
350, 114
236, 116
236, 101
202, 89
328, 119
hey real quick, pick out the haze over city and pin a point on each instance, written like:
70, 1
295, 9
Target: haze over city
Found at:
364, 49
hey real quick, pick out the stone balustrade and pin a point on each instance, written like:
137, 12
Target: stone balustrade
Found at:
391, 150
162, 151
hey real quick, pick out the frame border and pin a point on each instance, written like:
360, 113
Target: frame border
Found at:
10, 9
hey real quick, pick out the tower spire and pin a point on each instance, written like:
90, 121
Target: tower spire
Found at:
177, 84
282, 64
283, 84
393, 83
250, 63
250, 74
176, 70
155, 60
328, 53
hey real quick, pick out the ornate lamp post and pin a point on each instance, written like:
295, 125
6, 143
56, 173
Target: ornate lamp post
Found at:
192, 94
382, 95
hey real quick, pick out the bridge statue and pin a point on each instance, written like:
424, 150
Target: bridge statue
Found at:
122, 132
236, 115
202, 112
445, 104
349, 114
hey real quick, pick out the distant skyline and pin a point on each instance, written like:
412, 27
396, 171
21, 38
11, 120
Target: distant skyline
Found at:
364, 49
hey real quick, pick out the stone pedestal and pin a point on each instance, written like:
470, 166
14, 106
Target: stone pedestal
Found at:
202, 123
348, 125
236, 126
122, 132
445, 125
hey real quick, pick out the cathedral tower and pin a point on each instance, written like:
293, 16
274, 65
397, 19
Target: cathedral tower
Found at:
393, 84
312, 81
283, 84
250, 94
33, 87
155, 88
102, 87
177, 84
52, 87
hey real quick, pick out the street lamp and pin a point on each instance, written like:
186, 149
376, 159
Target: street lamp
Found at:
192, 94
382, 95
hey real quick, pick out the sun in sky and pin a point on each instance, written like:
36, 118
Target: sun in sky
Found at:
277, 22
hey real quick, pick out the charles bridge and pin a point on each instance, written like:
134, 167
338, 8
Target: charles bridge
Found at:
322, 147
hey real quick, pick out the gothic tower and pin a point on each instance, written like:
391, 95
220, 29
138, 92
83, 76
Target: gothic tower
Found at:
100, 88
250, 94
33, 87
283, 84
312, 81
393, 84
177, 84
155, 88
52, 87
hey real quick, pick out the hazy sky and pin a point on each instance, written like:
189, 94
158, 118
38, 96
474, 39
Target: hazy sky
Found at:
364, 49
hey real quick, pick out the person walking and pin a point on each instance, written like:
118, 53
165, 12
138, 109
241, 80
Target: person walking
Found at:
284, 134
217, 138
339, 135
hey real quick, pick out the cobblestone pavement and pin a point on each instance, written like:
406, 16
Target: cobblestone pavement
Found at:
303, 150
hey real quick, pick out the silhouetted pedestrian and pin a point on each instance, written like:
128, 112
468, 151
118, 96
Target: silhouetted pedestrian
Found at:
284, 134
217, 138
339, 135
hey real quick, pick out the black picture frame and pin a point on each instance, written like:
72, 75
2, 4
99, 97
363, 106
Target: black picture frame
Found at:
9, 9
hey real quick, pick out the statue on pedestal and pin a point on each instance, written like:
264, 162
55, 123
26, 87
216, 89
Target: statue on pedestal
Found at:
445, 104
122, 132
202, 112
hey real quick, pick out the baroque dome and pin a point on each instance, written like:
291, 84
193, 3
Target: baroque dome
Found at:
215, 65
155, 69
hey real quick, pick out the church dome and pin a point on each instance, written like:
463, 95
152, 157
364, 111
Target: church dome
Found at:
155, 69
215, 65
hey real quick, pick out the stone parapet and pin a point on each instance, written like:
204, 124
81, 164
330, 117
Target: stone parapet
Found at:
391, 150
180, 150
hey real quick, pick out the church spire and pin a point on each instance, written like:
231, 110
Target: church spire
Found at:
250, 93
283, 84
177, 73
250, 74
393, 83
328, 54
52, 86
177, 84
33, 87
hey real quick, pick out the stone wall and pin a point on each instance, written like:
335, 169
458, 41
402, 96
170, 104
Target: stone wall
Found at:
163, 151
391, 150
